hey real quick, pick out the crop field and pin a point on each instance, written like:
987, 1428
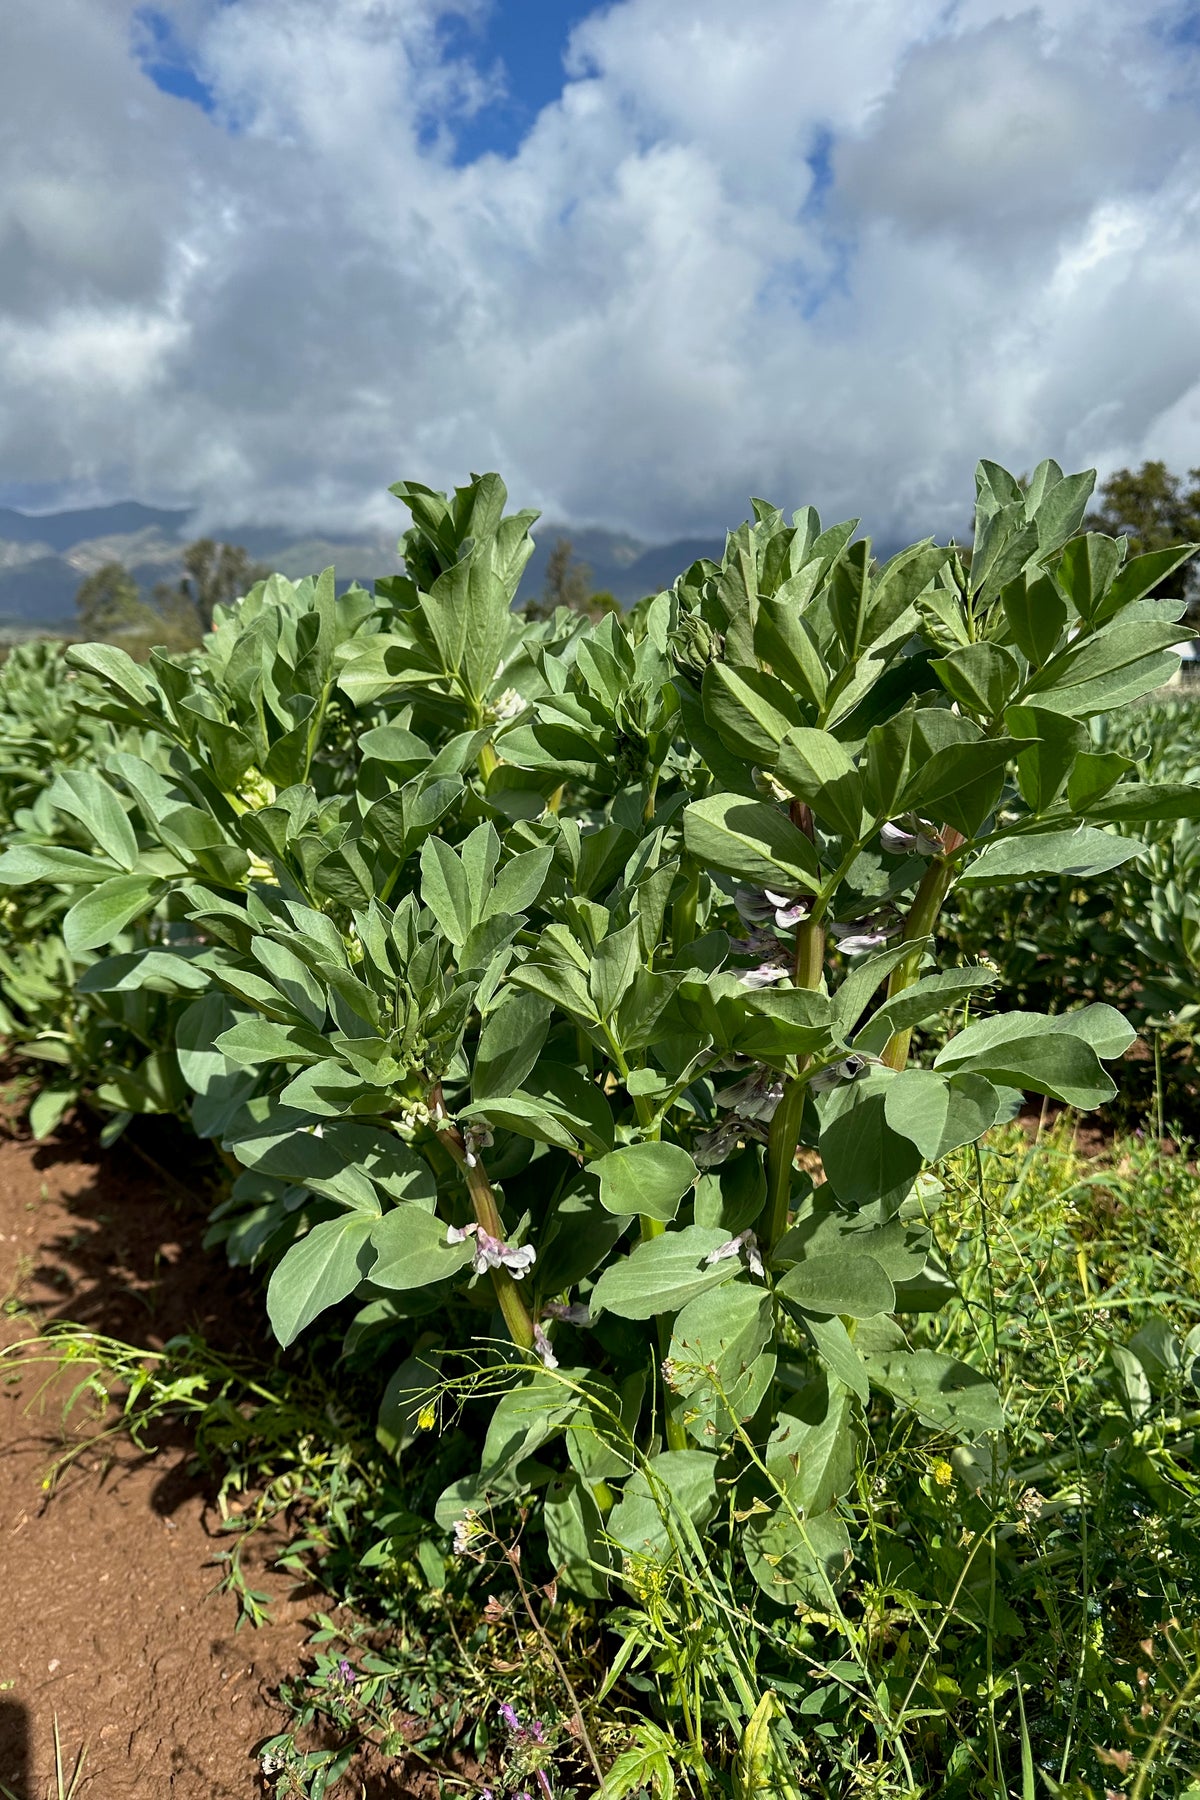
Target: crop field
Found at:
641, 1167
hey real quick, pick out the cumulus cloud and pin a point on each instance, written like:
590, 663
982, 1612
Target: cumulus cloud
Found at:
831, 252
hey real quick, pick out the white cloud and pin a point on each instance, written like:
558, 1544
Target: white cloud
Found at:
660, 304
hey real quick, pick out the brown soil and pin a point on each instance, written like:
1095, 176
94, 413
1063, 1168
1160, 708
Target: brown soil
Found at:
109, 1621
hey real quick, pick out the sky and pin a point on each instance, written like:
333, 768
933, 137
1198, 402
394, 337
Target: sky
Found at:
645, 258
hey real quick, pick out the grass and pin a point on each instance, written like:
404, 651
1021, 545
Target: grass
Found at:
1020, 1619
66, 1786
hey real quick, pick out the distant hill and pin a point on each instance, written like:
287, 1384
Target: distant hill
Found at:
45, 556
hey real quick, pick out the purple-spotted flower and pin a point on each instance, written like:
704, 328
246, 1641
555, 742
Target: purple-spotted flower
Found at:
758, 905
849, 1070
492, 1252
921, 840
712, 1147
759, 941
765, 975
477, 1136
745, 1242
544, 1348
574, 1314
863, 934
755, 1096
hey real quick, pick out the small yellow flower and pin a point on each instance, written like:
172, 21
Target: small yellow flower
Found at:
943, 1474
427, 1418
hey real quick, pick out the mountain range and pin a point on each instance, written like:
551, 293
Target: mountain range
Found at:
45, 556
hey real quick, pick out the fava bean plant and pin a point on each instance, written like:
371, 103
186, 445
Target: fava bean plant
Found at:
552, 984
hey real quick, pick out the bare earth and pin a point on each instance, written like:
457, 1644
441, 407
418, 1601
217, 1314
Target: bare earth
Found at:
108, 1619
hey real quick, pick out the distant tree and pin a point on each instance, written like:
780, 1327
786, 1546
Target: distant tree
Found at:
568, 582
178, 613
108, 603
1153, 508
213, 575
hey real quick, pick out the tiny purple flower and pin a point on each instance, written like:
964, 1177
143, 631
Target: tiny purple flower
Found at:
508, 1714
347, 1675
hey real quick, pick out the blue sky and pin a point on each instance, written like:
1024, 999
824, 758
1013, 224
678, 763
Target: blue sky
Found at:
523, 41
266, 256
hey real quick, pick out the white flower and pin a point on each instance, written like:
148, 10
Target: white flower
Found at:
541, 1344
744, 1241
458, 1234
507, 706
466, 1530
765, 975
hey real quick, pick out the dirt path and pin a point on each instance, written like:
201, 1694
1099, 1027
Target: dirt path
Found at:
108, 1621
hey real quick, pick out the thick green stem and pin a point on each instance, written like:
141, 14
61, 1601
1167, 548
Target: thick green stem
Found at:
486, 762
487, 1217
922, 918
785, 1126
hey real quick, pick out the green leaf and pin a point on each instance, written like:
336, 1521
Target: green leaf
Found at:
749, 839
1044, 765
1146, 802
924, 1000
718, 1371
663, 1274
750, 711
981, 678
254, 1043
89, 798
675, 1489
816, 768
48, 1108
1086, 571
1037, 616
939, 1114
798, 1560
23, 863
864, 1158
509, 1045
1142, 574
1083, 851
413, 1251
97, 917
812, 1451
615, 964
1043, 1061
575, 1536
847, 1284
646, 1179
322, 1268
836, 1349
944, 1393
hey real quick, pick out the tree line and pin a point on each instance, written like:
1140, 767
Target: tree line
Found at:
1151, 506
